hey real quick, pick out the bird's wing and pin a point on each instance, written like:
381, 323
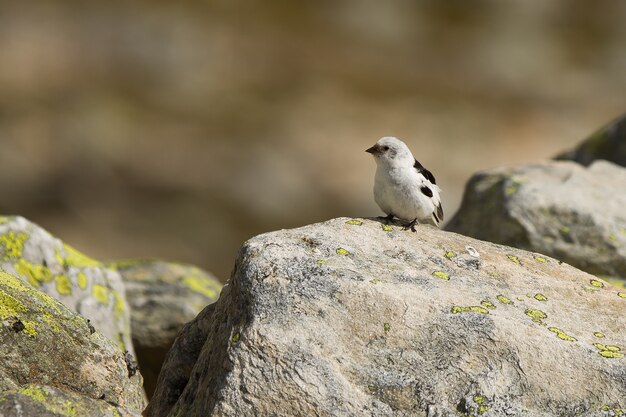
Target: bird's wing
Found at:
426, 173
430, 190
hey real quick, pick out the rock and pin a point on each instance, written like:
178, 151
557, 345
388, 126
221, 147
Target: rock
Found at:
41, 401
81, 283
560, 209
349, 318
45, 343
162, 296
608, 143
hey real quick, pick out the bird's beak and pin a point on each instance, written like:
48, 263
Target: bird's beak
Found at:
374, 150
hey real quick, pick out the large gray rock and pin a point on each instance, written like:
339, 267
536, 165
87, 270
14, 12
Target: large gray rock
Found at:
163, 296
54, 356
608, 143
83, 284
561, 209
350, 318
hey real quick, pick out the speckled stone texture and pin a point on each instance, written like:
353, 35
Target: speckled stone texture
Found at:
562, 209
162, 296
83, 284
348, 318
46, 344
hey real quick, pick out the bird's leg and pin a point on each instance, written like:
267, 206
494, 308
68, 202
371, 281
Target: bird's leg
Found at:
388, 219
411, 225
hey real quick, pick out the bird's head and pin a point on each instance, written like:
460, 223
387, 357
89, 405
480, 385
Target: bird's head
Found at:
391, 151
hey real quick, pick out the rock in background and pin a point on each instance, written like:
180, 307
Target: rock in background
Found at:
349, 317
162, 296
83, 284
608, 143
53, 361
561, 209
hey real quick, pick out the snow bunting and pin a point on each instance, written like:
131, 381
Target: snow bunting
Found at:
403, 188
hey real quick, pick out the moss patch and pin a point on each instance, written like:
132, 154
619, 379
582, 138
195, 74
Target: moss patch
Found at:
504, 300
561, 334
12, 244
442, 275
536, 315
63, 284
100, 293
203, 285
469, 309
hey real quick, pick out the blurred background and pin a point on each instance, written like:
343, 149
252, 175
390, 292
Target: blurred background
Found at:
180, 129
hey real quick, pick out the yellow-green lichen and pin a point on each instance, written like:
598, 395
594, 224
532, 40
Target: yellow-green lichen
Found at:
100, 293
566, 229
354, 222
450, 254
342, 251
540, 297
513, 259
35, 393
609, 351
479, 399
487, 304
503, 299
321, 262
36, 274
442, 275
561, 334
598, 335
536, 315
386, 327
520, 298
375, 281
386, 228
235, 337
10, 306
76, 259
13, 244
612, 237
203, 285
81, 280
621, 294
469, 309
119, 308
540, 259
596, 283
63, 284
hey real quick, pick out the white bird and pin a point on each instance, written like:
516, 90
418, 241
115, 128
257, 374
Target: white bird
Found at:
403, 188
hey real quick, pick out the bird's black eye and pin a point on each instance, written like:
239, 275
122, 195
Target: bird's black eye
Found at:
385, 148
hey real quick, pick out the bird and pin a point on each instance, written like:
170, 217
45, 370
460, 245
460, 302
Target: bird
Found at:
404, 188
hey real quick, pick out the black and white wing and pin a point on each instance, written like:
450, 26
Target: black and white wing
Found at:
431, 190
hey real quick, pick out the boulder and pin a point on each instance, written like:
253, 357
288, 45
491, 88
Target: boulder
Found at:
162, 296
42, 401
561, 209
83, 284
351, 317
57, 358
608, 143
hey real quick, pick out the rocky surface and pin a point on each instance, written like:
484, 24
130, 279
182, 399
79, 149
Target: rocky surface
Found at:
42, 401
350, 317
83, 284
562, 209
608, 143
46, 344
162, 296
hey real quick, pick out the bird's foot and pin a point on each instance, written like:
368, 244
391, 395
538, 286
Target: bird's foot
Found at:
387, 219
411, 225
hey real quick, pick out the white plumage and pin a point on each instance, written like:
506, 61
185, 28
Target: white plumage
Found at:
403, 188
